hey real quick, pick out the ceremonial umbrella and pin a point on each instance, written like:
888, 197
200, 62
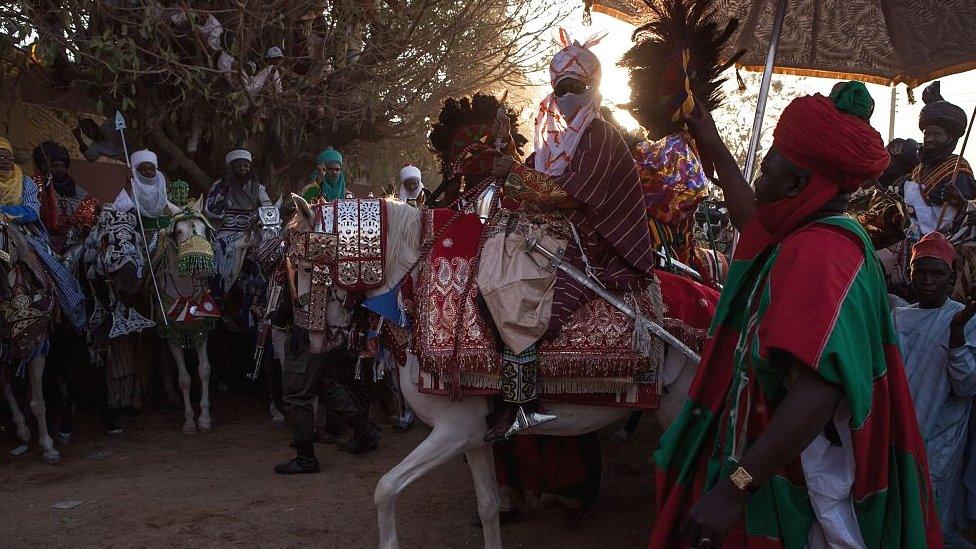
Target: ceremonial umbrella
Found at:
878, 41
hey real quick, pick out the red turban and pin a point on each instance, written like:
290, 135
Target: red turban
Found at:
841, 152
935, 245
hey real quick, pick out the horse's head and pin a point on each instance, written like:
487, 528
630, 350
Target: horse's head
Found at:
192, 235
307, 274
113, 250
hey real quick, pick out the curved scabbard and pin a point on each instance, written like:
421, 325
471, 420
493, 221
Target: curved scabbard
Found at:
532, 245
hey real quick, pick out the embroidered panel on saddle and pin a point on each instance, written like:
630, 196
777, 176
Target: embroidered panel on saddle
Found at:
592, 356
349, 238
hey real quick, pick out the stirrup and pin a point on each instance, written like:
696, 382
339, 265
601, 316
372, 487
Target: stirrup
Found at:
525, 421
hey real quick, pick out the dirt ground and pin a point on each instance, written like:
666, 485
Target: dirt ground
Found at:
159, 488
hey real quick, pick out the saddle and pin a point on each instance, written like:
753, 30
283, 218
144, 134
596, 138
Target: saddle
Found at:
457, 345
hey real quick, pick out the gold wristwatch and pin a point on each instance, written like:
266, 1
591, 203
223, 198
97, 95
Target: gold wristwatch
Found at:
743, 480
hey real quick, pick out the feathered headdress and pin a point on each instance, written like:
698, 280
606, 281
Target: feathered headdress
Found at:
466, 121
675, 62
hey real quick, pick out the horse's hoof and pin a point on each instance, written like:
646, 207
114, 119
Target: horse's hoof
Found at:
189, 428
20, 450
63, 439
279, 422
51, 457
205, 427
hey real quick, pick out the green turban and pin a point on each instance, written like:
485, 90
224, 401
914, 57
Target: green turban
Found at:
853, 98
331, 190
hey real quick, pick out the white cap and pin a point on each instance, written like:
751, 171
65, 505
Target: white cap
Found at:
273, 52
410, 172
238, 154
143, 156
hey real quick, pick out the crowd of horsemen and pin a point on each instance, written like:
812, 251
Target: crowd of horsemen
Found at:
851, 282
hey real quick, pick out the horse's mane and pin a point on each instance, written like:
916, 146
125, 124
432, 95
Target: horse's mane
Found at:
403, 223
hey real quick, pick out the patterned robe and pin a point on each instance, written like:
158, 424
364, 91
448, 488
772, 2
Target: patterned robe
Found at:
818, 295
611, 222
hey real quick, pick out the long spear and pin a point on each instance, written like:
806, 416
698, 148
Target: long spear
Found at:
120, 126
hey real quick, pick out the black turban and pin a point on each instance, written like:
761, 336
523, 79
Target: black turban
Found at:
937, 111
905, 150
50, 151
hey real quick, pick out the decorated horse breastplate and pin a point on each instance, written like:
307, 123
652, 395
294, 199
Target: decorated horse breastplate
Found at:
347, 243
237, 220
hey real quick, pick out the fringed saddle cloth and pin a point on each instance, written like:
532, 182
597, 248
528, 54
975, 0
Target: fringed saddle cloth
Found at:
346, 248
591, 359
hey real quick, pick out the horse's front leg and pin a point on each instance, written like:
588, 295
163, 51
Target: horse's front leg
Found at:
189, 426
482, 464
204, 421
39, 408
443, 444
23, 431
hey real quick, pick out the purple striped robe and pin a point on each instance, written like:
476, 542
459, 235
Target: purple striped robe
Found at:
611, 222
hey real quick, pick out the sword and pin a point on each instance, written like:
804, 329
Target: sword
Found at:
556, 262
274, 292
690, 271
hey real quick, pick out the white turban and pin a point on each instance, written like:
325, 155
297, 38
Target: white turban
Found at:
149, 192
238, 154
410, 172
556, 138
143, 156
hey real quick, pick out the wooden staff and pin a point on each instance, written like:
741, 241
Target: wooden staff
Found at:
955, 171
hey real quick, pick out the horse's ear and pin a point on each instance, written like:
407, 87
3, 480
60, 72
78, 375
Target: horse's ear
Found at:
303, 208
281, 198
198, 205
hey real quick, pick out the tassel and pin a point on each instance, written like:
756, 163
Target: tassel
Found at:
195, 264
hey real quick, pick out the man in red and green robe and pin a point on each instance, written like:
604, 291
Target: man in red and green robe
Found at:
799, 430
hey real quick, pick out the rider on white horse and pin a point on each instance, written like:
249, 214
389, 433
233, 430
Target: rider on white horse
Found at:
583, 170
232, 207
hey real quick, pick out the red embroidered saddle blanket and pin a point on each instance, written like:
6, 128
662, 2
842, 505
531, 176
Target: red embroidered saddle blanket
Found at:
591, 359
347, 243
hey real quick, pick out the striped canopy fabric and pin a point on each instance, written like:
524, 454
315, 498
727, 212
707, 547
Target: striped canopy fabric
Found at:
879, 41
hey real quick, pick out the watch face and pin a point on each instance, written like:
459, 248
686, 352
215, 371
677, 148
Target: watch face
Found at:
741, 479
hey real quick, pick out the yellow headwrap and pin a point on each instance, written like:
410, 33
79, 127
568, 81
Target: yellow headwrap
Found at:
11, 182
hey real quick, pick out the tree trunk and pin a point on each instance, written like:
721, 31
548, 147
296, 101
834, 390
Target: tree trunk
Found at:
199, 180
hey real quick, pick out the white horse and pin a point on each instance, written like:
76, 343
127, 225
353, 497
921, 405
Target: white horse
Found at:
189, 223
459, 427
174, 283
26, 281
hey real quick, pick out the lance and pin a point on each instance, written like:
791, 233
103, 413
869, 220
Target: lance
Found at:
120, 126
640, 321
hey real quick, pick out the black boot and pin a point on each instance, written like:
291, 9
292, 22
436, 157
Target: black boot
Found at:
366, 436
304, 463
112, 422
367, 439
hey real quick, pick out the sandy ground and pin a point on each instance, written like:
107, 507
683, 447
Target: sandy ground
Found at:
158, 488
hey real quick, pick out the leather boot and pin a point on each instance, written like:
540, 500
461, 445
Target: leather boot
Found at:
303, 463
504, 418
366, 436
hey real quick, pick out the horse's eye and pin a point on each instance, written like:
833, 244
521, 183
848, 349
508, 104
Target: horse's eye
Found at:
307, 269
